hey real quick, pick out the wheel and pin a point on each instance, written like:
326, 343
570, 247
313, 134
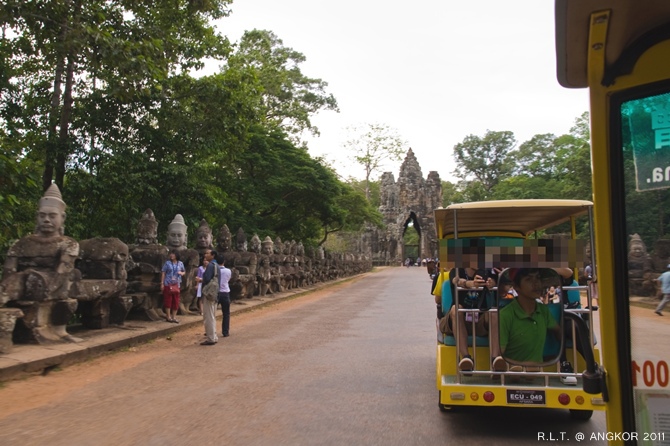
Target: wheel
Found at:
581, 415
444, 407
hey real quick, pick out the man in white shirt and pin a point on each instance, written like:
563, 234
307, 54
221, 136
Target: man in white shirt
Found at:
224, 298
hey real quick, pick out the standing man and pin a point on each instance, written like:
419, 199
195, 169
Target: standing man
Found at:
665, 289
224, 298
209, 307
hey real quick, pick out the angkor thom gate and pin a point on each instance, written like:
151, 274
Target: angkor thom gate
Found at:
406, 205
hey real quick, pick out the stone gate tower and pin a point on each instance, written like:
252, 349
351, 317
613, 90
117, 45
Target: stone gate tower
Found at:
410, 199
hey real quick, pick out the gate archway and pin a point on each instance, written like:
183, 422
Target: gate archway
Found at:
411, 236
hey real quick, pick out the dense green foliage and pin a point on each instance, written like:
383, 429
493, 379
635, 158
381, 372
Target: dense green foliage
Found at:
100, 97
494, 168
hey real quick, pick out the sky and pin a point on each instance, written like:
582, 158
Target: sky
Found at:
434, 70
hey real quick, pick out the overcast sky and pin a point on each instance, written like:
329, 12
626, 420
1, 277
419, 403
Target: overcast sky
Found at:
435, 70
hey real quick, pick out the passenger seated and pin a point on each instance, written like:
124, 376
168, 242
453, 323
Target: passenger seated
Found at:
470, 296
570, 300
525, 321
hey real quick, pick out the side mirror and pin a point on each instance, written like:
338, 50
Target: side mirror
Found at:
530, 316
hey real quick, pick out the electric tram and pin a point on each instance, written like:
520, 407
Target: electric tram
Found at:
498, 241
620, 51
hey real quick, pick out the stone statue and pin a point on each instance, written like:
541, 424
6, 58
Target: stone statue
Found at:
289, 269
304, 266
204, 238
39, 273
245, 263
226, 253
263, 270
144, 269
640, 280
277, 261
268, 250
101, 290
177, 239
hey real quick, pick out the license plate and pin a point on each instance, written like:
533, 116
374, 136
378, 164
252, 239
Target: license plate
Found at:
518, 396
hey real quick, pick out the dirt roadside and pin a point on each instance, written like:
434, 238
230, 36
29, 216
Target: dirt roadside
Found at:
36, 391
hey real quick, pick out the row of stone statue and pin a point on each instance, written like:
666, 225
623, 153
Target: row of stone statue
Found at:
49, 277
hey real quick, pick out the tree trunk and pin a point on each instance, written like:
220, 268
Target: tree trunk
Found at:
51, 148
66, 114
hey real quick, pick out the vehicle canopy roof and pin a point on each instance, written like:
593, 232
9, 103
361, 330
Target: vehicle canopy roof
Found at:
515, 218
631, 25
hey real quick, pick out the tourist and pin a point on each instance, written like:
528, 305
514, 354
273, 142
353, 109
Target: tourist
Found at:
209, 304
471, 286
198, 279
224, 298
665, 289
171, 275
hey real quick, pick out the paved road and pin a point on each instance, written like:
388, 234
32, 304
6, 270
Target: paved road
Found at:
354, 364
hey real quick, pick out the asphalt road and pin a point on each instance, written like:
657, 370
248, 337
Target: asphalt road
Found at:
354, 365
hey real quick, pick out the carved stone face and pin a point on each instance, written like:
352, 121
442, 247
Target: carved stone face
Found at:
255, 244
147, 234
267, 249
204, 239
224, 241
240, 245
637, 248
176, 237
49, 221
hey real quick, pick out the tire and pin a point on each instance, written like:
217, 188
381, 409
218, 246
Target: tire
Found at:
443, 407
581, 415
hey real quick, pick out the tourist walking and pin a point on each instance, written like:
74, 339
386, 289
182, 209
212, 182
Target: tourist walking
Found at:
665, 289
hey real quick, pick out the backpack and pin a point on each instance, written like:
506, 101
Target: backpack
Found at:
211, 290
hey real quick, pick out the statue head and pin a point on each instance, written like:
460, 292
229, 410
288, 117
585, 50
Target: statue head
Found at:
300, 249
278, 248
224, 239
636, 246
256, 244
267, 246
147, 229
240, 241
51, 213
176, 237
203, 235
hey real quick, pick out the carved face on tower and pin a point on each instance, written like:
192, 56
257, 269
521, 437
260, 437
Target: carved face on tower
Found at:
147, 229
176, 237
203, 235
50, 213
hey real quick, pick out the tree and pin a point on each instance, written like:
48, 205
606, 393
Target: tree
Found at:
371, 146
486, 159
69, 57
289, 98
